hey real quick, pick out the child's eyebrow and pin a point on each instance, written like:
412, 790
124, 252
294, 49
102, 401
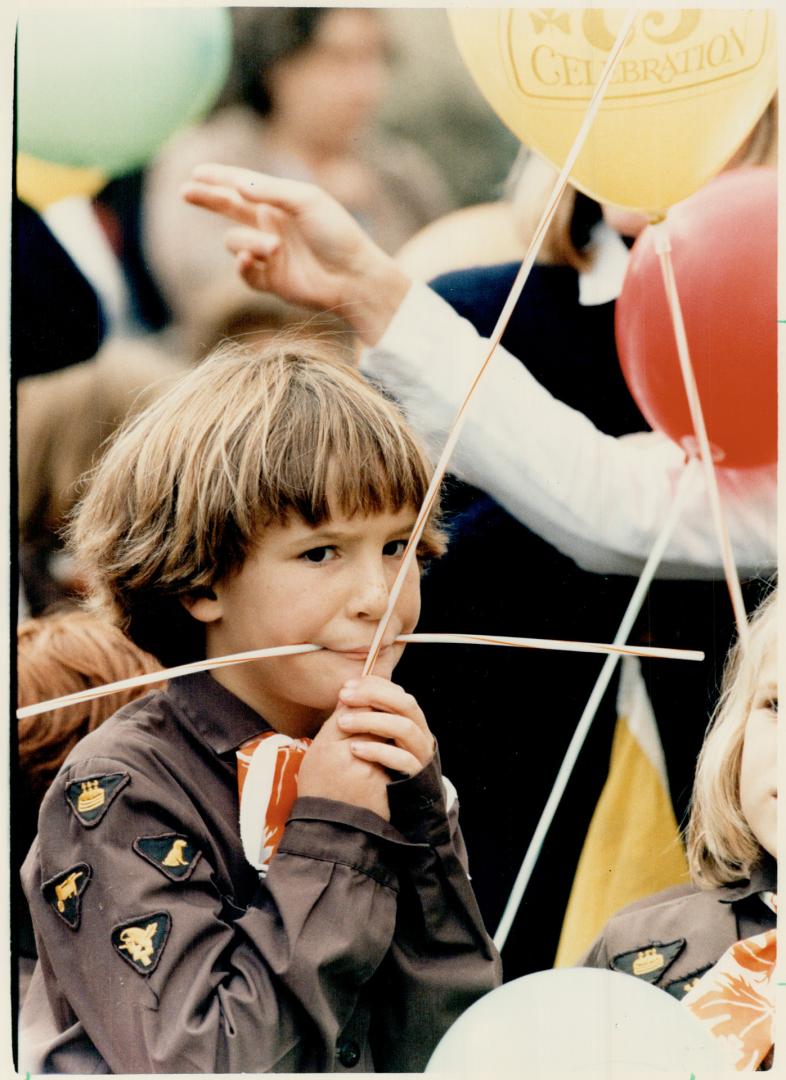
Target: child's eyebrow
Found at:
329, 534
319, 536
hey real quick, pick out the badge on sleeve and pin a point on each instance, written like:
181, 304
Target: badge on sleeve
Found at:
91, 797
174, 855
141, 941
64, 891
649, 962
680, 987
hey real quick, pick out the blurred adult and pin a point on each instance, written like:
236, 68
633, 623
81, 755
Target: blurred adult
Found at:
301, 102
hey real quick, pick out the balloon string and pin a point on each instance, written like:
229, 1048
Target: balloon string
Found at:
590, 710
165, 674
663, 249
410, 552
150, 678
554, 645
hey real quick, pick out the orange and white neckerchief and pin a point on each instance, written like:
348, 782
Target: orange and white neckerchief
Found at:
735, 999
267, 771
267, 768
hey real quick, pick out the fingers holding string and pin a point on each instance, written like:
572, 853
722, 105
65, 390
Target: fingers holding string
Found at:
391, 757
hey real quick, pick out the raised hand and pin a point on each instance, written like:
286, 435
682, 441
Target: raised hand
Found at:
293, 239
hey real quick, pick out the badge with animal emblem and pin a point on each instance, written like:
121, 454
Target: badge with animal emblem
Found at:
650, 961
174, 855
64, 891
141, 941
91, 797
680, 987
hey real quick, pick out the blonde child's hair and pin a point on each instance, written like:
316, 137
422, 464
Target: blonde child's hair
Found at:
252, 435
60, 654
721, 845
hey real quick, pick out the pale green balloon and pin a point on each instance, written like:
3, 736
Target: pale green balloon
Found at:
105, 88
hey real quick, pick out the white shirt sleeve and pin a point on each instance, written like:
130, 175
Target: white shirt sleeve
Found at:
598, 499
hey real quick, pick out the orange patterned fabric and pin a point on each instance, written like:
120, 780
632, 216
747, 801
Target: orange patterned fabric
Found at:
274, 791
736, 998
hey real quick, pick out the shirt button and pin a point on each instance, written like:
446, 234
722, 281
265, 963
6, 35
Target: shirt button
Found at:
348, 1053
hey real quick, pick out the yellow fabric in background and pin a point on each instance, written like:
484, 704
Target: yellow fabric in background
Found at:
632, 848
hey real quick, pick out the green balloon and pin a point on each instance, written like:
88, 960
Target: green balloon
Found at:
104, 88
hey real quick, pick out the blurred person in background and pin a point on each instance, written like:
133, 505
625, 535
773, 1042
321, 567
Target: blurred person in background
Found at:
63, 417
59, 654
301, 102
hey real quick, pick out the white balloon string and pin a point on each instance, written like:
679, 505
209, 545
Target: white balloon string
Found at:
440, 468
590, 710
149, 678
553, 645
663, 249
165, 674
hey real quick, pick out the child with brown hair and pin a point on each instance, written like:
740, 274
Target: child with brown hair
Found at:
713, 947
266, 500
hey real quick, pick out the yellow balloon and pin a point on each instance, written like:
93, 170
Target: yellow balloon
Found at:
688, 87
40, 183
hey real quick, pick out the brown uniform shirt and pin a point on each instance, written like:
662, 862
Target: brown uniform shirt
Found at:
672, 938
161, 951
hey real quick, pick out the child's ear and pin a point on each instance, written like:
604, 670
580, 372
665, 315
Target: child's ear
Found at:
203, 604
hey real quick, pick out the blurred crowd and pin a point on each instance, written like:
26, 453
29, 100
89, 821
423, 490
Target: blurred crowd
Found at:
111, 302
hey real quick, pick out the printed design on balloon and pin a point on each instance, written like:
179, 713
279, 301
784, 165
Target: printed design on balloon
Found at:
692, 81
702, 53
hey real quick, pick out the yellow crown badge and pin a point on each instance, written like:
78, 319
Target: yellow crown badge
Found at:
649, 962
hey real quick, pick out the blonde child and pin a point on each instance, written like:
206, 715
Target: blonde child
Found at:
713, 947
265, 500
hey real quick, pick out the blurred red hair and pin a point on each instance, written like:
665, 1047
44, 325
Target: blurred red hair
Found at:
60, 654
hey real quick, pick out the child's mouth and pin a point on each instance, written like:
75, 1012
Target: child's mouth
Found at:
359, 654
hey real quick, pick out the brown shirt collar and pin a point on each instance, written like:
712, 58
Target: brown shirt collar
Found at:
219, 718
764, 878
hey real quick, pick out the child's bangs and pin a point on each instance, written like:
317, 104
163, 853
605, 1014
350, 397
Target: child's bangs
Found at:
336, 468
345, 451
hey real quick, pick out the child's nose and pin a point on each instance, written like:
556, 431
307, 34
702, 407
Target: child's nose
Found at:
371, 593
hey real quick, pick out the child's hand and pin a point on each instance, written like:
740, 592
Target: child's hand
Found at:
385, 724
330, 770
293, 239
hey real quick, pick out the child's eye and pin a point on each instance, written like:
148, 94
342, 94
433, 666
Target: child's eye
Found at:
768, 704
319, 554
394, 548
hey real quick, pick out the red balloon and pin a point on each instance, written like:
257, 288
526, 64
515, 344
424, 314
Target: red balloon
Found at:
723, 242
